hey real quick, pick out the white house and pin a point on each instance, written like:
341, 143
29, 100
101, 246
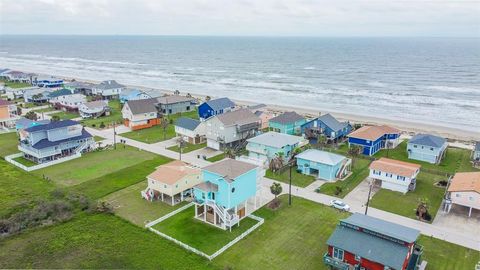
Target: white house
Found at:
231, 128
94, 109
192, 130
68, 102
394, 174
108, 89
464, 190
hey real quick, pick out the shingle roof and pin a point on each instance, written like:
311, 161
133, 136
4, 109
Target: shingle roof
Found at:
238, 117
275, 139
373, 132
78, 85
142, 105
172, 172
428, 140
287, 118
53, 125
97, 104
173, 99
332, 122
321, 157
393, 166
44, 143
110, 84
230, 169
466, 181
369, 247
24, 122
220, 103
187, 123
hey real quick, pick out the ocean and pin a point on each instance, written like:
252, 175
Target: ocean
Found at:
424, 80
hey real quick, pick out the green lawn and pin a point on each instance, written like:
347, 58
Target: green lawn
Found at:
360, 171
216, 158
298, 179
98, 241
156, 133
406, 205
65, 115
16, 84
98, 138
126, 176
18, 189
114, 117
456, 159
95, 164
129, 205
25, 161
8, 144
49, 109
204, 237
188, 147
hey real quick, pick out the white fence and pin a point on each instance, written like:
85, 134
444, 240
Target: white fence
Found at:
194, 250
10, 159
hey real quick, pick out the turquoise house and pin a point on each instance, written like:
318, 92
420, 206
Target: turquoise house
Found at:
222, 198
426, 147
268, 145
288, 123
323, 165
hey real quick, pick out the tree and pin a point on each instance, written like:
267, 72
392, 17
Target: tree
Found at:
189, 95
295, 152
321, 139
176, 92
55, 118
229, 152
422, 209
181, 143
31, 115
276, 189
164, 124
354, 151
207, 98
277, 162
36, 97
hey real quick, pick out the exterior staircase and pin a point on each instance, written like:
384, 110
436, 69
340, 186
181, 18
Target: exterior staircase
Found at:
227, 218
345, 164
81, 147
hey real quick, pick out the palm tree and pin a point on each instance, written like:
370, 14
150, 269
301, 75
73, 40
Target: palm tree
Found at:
181, 143
354, 151
321, 139
277, 162
176, 92
164, 124
55, 118
229, 152
276, 189
189, 95
31, 115
422, 208
207, 98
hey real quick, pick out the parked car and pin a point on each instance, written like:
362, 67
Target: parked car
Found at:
339, 205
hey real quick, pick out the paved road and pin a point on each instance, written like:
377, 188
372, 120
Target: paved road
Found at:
355, 200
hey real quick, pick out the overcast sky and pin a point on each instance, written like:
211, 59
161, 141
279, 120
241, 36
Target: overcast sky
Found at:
242, 17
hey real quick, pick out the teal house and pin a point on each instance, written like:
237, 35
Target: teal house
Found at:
225, 196
426, 147
288, 123
268, 145
323, 165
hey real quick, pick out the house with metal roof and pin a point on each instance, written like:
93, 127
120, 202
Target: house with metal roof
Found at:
172, 183
267, 146
24, 123
428, 148
323, 165
58, 139
394, 174
463, 190
287, 122
140, 114
327, 125
227, 194
365, 242
476, 151
110, 89
192, 130
37, 95
132, 94
374, 138
172, 104
231, 129
94, 109
79, 87
8, 114
215, 107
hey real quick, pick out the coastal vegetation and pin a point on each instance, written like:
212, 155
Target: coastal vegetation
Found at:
188, 147
298, 179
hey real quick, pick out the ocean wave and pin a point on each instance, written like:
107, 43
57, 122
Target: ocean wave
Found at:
309, 68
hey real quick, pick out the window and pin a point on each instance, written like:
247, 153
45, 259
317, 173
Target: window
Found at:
338, 254
470, 198
414, 146
457, 195
233, 190
431, 148
165, 186
400, 177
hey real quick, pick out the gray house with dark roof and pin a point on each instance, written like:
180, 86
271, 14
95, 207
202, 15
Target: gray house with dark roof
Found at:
108, 89
192, 130
428, 148
326, 125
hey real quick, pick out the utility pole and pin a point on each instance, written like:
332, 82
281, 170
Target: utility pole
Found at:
368, 199
114, 137
290, 184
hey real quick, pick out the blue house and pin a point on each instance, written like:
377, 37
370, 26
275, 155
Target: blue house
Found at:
426, 147
24, 123
287, 122
268, 145
132, 94
221, 199
326, 125
374, 138
476, 151
45, 143
214, 107
48, 82
323, 165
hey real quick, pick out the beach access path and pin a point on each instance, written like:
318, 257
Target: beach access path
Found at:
443, 232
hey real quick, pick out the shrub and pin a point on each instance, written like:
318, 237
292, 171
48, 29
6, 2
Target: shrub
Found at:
338, 190
102, 125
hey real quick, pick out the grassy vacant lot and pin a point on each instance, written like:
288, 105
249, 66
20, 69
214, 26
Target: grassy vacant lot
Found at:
204, 237
49, 109
406, 205
94, 164
298, 179
114, 117
18, 188
25, 161
456, 159
129, 205
98, 241
65, 115
15, 84
108, 183
188, 147
359, 172
8, 144
155, 134
217, 157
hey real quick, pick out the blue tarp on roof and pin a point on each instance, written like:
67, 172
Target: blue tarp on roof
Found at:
53, 125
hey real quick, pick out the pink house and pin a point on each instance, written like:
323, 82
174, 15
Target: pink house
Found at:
464, 190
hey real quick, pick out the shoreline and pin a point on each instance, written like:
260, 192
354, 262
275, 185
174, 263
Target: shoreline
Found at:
408, 127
